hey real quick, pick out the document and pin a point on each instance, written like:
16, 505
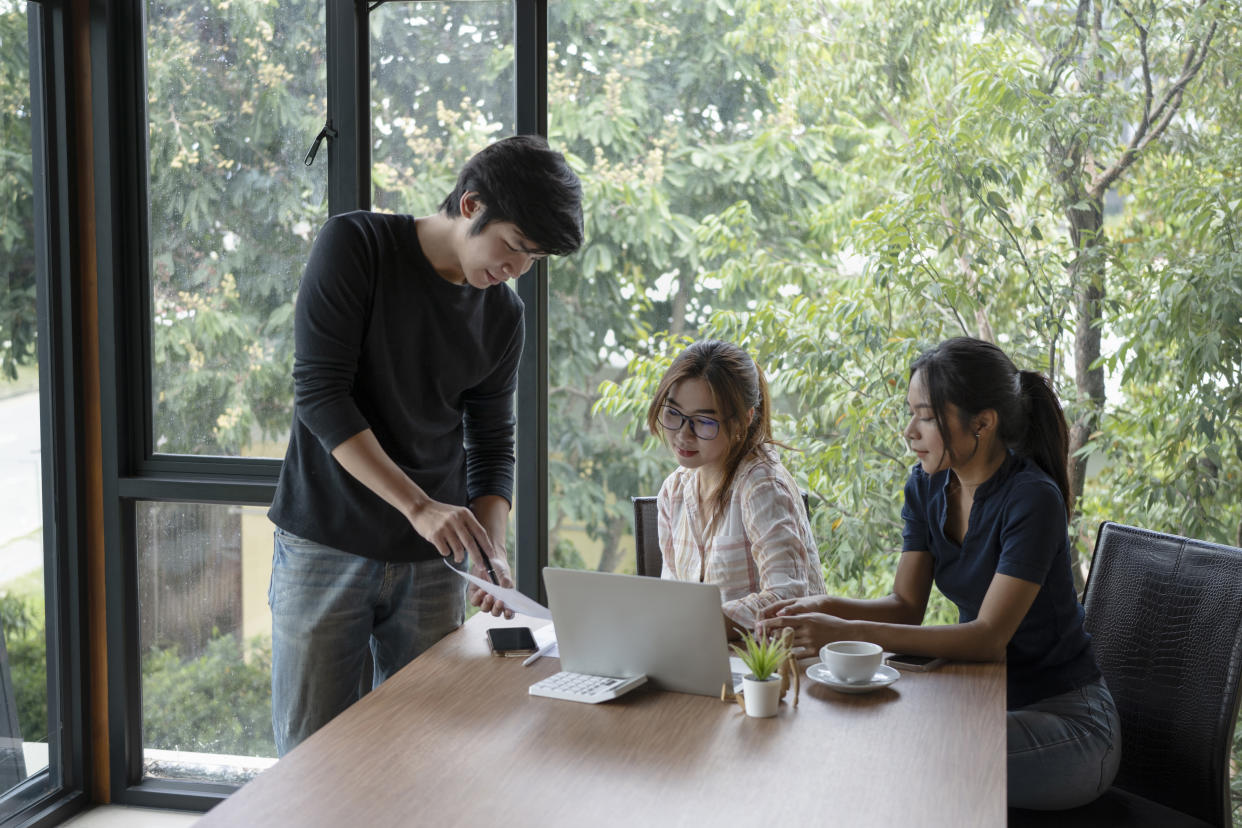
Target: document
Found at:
513, 599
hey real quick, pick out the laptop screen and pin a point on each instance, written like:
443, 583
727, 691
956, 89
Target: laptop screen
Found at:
627, 625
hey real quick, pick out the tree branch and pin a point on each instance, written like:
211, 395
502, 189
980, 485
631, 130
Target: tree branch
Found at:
1148, 95
573, 392
1162, 115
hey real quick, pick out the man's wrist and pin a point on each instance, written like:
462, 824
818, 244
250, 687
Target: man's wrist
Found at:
414, 504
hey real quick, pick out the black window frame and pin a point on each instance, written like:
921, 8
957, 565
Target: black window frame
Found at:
53, 794
131, 471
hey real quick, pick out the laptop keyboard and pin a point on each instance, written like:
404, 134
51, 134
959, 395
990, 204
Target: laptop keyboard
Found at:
581, 687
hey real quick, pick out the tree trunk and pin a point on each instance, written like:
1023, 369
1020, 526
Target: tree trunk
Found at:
611, 554
1087, 279
677, 313
1087, 272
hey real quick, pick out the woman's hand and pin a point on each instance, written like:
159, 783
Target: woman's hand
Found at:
795, 606
812, 630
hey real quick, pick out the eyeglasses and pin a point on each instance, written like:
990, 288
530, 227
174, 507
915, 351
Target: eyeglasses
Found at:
704, 428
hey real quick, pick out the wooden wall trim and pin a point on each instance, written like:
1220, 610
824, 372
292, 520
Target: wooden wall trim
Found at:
82, 150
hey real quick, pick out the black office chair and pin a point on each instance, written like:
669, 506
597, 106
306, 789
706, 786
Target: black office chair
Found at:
649, 560
1166, 616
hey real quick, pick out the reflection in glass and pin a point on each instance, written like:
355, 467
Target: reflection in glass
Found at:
236, 95
205, 636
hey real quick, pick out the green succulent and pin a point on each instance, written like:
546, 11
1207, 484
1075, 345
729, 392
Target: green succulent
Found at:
762, 657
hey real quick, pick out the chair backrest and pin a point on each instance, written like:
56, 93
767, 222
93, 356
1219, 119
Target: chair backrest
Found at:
649, 559
1165, 613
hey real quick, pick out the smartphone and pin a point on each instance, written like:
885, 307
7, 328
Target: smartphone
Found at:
914, 663
511, 641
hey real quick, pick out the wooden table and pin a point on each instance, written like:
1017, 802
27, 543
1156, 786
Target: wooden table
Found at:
454, 739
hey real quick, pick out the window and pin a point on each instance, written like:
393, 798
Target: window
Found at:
40, 703
686, 156
235, 93
441, 89
24, 721
218, 203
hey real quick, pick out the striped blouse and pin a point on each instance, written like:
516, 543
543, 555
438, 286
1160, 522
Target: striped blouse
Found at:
762, 549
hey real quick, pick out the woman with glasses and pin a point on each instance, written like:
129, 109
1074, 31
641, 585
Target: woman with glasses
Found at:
730, 514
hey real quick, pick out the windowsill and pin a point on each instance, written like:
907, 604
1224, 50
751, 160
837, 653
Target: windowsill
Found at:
124, 816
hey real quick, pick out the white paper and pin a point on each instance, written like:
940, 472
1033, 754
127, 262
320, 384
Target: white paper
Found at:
513, 599
546, 635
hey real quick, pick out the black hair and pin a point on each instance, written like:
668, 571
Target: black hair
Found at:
974, 376
523, 181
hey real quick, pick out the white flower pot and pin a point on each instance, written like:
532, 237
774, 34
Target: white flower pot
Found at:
761, 697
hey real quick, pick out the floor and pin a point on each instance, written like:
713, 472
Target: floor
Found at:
121, 816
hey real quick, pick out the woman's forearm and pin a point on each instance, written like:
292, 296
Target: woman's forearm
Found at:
887, 610
973, 641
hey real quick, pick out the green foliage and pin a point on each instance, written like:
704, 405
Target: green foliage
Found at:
27, 651
236, 93
18, 320
833, 184
218, 702
762, 657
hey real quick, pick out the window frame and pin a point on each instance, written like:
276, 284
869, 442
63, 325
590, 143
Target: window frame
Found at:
55, 793
131, 471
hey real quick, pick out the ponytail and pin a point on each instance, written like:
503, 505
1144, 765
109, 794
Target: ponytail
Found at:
1046, 439
974, 376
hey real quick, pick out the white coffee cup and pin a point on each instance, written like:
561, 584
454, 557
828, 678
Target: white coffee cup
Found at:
853, 662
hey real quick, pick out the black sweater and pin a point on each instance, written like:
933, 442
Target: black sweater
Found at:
383, 342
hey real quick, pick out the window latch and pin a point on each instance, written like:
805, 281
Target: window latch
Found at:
326, 132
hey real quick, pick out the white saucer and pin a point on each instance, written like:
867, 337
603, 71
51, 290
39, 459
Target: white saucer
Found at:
884, 676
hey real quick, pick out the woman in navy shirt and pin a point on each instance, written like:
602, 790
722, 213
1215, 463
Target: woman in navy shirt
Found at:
985, 517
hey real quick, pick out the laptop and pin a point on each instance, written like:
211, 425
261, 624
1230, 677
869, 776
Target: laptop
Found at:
627, 626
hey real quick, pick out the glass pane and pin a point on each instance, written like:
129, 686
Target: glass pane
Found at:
685, 159
235, 97
441, 89
205, 636
24, 722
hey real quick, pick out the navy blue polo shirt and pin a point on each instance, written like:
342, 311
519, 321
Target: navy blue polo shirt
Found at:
1017, 528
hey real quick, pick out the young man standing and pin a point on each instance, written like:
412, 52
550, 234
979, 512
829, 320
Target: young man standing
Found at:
401, 451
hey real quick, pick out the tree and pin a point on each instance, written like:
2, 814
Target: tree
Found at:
235, 97
951, 110
1114, 71
18, 319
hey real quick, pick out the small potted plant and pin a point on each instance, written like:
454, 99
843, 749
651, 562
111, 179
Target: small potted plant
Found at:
762, 688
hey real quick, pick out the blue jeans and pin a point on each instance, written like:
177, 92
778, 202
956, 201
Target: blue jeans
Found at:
1063, 750
327, 607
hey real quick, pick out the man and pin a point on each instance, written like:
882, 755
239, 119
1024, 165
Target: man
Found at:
401, 451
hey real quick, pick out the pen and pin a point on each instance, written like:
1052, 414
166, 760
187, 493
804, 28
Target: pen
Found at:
487, 563
542, 651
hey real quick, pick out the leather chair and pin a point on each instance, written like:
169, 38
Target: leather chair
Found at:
649, 559
1165, 613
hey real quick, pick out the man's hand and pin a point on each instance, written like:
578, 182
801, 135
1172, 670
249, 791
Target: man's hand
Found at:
483, 600
453, 530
